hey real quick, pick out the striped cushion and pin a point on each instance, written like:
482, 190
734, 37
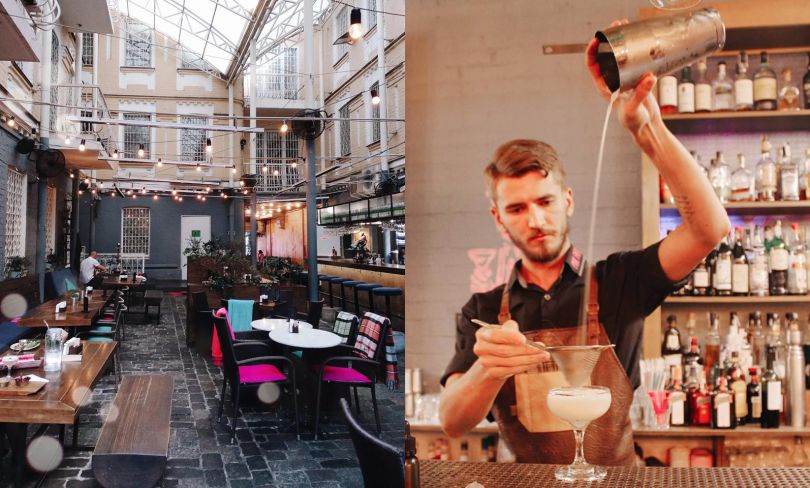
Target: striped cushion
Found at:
345, 325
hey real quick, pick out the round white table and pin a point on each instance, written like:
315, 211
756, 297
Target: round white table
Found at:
305, 338
269, 325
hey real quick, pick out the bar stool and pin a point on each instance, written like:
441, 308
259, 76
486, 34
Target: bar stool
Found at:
337, 280
387, 292
353, 285
369, 287
326, 279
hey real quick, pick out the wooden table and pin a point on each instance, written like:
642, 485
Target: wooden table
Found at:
114, 282
72, 316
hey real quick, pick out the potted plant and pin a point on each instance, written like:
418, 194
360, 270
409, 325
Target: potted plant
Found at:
17, 266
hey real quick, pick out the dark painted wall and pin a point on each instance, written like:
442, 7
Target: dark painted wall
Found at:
165, 246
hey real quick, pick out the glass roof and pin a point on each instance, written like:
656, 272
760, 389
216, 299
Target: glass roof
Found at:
214, 29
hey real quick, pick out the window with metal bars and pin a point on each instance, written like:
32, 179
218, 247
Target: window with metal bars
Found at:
16, 195
276, 153
88, 48
138, 47
192, 141
135, 136
345, 131
341, 27
371, 14
50, 221
135, 230
279, 78
375, 114
54, 79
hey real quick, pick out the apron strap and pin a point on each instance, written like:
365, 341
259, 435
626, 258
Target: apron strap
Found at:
593, 303
503, 313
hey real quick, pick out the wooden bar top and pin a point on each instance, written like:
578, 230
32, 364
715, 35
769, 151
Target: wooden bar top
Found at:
67, 390
348, 263
72, 316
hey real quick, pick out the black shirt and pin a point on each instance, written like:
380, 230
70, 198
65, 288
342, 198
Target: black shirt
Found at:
631, 285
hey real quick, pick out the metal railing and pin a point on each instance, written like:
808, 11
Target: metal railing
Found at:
275, 86
83, 101
129, 261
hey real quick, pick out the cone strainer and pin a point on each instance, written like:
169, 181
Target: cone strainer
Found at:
576, 363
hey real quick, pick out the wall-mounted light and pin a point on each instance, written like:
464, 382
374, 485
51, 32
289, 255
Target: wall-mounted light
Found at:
355, 24
81, 145
375, 96
141, 151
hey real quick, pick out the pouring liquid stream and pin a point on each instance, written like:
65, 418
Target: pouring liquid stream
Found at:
583, 313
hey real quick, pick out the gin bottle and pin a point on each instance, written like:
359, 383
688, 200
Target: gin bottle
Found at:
720, 177
758, 266
743, 86
778, 259
703, 90
766, 182
742, 182
797, 272
722, 90
789, 173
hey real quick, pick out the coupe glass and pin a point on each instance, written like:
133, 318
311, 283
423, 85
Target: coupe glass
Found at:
579, 406
9, 361
674, 4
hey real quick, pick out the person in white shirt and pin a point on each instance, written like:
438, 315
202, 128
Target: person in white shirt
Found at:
87, 270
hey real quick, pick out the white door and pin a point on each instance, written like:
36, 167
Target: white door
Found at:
192, 227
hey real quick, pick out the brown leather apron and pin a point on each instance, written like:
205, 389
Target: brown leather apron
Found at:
533, 433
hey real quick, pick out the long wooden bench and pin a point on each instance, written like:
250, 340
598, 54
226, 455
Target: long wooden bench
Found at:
134, 442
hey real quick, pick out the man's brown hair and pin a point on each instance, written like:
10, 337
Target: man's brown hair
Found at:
520, 156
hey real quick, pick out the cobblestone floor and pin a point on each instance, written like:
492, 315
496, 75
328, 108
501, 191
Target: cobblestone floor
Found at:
266, 451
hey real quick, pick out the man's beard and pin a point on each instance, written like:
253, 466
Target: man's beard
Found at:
544, 254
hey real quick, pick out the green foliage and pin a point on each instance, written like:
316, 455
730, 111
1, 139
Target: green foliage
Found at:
17, 265
223, 262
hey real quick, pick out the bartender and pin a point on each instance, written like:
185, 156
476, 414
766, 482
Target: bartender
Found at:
494, 372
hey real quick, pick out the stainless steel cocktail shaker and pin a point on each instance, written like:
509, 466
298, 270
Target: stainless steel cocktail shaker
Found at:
659, 44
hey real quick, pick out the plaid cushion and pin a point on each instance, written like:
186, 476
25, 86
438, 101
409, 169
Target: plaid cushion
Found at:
368, 336
345, 326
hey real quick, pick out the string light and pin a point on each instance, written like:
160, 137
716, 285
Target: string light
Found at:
160, 162
141, 151
241, 182
179, 199
67, 139
284, 128
11, 122
94, 191
72, 175
81, 145
203, 198
80, 192
115, 154
244, 192
174, 192
207, 189
134, 196
199, 168
356, 26
129, 192
233, 169
199, 197
264, 169
375, 97
143, 191
275, 172
155, 197
87, 181
294, 164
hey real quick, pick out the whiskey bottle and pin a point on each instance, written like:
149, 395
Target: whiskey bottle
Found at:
671, 346
722, 90
722, 269
739, 268
771, 395
778, 258
700, 279
686, 92
743, 86
738, 387
712, 343
797, 270
668, 94
754, 397
723, 407
766, 182
703, 90
789, 175
764, 85
790, 97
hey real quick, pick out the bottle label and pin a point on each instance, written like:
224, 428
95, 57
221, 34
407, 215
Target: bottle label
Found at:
759, 276
668, 91
673, 343
723, 405
739, 278
703, 97
740, 406
790, 185
743, 93
701, 279
764, 89
774, 395
676, 399
800, 274
756, 407
722, 274
686, 98
766, 178
779, 259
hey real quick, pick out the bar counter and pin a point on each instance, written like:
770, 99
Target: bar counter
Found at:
384, 274
349, 263
448, 474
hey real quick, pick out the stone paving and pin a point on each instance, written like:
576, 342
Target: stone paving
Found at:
266, 451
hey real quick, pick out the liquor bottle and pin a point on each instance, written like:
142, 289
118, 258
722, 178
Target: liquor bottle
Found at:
720, 177
797, 266
700, 278
795, 382
764, 85
739, 268
774, 340
789, 175
700, 164
798, 458
757, 339
803, 167
738, 387
712, 344
743, 86
690, 334
703, 90
671, 346
742, 182
722, 269
711, 261
806, 84
411, 461
692, 357
668, 94
778, 258
765, 179
758, 265
686, 92
754, 397
771, 395
722, 90
723, 407
700, 407
790, 97
679, 408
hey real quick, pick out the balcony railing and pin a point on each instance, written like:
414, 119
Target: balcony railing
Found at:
82, 101
276, 87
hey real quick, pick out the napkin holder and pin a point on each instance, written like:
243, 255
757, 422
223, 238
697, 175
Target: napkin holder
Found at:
123, 277
263, 299
72, 347
61, 306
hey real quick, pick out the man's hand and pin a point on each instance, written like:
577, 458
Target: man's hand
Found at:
503, 352
636, 107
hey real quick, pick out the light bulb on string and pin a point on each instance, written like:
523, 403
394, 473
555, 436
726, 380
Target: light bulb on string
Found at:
275, 172
143, 191
115, 154
129, 192
199, 197
11, 122
203, 198
179, 199
207, 189
294, 164
208, 146
356, 25
174, 192
81, 145
375, 97
67, 139
264, 169
141, 151
284, 128
233, 169
81, 192
93, 191
160, 162
134, 196
199, 168
241, 182
155, 197
87, 181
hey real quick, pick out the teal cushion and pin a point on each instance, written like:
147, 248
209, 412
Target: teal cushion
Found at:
98, 339
70, 285
102, 328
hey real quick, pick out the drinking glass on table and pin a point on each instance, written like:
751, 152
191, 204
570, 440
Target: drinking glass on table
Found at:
579, 405
53, 350
9, 361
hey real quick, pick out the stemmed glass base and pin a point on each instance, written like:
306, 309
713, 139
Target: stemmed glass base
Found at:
584, 472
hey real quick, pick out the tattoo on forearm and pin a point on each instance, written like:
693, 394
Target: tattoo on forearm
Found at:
685, 208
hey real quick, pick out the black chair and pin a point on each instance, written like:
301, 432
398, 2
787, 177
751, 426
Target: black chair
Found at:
381, 463
250, 363
199, 326
313, 315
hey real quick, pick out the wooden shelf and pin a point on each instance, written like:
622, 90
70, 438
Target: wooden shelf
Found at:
482, 428
753, 208
750, 121
743, 431
753, 300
